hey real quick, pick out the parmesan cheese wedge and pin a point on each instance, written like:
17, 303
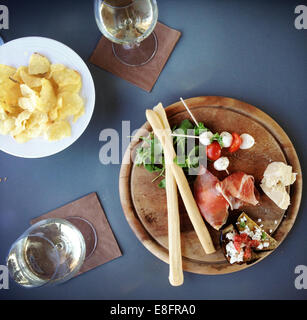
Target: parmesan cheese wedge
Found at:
277, 176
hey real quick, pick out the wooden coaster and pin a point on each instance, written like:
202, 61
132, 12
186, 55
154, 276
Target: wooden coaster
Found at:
142, 76
90, 209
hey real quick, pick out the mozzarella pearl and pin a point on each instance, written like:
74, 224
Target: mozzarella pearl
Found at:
221, 164
247, 141
205, 138
226, 138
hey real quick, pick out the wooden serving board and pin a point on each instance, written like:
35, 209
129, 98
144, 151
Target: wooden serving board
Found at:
144, 204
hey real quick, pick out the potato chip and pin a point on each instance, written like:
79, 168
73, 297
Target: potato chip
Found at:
36, 124
78, 115
29, 80
4, 107
16, 77
72, 88
37, 118
9, 92
56, 67
58, 130
7, 125
38, 64
48, 98
39, 99
53, 114
22, 117
20, 123
73, 104
3, 115
6, 72
64, 76
22, 137
30, 99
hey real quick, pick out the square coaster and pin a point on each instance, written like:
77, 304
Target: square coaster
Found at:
89, 208
142, 76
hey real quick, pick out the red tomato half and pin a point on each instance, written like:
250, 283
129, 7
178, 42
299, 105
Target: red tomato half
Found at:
236, 142
214, 150
254, 243
247, 253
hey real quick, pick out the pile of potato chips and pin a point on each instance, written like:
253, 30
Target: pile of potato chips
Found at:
39, 100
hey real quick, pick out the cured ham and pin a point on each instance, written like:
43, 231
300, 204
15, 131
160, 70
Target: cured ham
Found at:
237, 189
211, 203
214, 197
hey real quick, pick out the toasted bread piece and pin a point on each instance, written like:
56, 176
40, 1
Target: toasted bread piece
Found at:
252, 225
225, 241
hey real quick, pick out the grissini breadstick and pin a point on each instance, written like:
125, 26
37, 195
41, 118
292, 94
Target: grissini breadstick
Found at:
174, 242
182, 183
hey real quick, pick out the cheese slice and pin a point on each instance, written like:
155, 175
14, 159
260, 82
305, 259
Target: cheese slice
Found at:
278, 173
276, 178
278, 194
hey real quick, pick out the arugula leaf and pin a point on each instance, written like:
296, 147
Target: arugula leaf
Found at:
193, 157
185, 125
180, 161
162, 184
152, 168
142, 156
151, 154
200, 129
180, 142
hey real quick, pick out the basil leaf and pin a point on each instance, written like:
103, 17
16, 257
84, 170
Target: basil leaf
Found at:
242, 224
200, 129
218, 138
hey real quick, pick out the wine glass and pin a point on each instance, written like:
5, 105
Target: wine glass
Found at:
129, 24
51, 251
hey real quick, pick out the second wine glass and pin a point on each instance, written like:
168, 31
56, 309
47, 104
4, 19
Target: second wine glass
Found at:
51, 251
129, 24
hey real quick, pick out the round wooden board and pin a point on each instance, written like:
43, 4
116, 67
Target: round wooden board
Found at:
144, 204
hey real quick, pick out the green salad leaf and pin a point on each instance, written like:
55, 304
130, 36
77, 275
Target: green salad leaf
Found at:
151, 155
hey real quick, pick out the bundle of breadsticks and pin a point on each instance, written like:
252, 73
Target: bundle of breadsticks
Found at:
175, 177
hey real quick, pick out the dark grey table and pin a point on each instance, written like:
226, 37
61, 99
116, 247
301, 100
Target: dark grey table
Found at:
249, 50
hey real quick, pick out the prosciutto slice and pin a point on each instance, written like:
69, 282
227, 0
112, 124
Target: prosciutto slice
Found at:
212, 204
214, 197
237, 189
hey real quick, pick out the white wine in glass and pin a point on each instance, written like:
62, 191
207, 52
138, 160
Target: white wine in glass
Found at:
129, 24
50, 251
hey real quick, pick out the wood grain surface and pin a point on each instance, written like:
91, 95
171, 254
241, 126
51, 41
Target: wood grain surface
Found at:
144, 204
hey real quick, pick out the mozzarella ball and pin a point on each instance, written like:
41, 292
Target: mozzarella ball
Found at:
221, 164
226, 138
205, 138
247, 141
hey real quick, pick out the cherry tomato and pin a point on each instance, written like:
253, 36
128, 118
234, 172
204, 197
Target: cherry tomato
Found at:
236, 142
214, 150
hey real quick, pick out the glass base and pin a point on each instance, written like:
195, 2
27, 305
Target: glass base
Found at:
139, 54
88, 231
